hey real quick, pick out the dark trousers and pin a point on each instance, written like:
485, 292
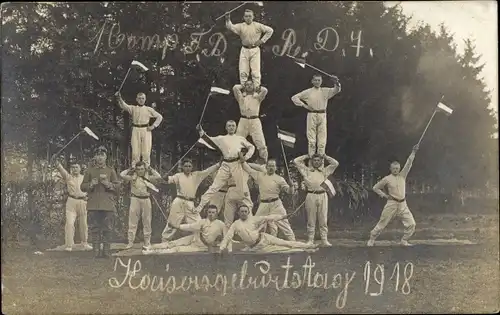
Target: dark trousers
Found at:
101, 225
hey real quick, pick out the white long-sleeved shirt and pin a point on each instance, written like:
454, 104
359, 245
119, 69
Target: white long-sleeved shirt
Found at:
73, 182
138, 185
141, 114
250, 33
396, 184
231, 145
209, 230
248, 230
315, 98
270, 186
188, 184
314, 177
249, 103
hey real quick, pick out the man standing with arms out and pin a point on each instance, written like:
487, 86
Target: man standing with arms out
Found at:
316, 202
230, 145
270, 186
101, 183
250, 33
207, 234
76, 206
248, 228
140, 202
396, 203
142, 139
182, 207
315, 100
249, 124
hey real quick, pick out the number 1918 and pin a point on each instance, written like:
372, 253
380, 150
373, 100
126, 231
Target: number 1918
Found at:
378, 276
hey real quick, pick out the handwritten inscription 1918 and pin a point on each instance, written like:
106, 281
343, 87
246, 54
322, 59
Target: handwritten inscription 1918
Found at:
110, 37
304, 276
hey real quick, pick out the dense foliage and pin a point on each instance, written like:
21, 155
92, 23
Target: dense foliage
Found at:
62, 63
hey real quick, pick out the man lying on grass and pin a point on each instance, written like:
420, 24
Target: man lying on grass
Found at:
249, 229
207, 234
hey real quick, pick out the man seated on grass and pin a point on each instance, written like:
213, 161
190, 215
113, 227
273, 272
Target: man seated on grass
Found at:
207, 234
249, 229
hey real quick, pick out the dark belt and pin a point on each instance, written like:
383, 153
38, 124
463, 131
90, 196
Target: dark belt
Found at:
317, 111
249, 47
316, 192
77, 198
140, 126
249, 117
400, 201
270, 200
140, 197
257, 241
231, 160
185, 198
225, 191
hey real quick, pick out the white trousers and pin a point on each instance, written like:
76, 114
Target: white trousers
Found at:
181, 210
253, 128
139, 208
392, 210
186, 244
231, 204
141, 142
316, 133
250, 62
276, 208
75, 208
272, 244
317, 209
226, 171
218, 200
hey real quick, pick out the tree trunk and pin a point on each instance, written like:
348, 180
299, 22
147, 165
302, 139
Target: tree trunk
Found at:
29, 168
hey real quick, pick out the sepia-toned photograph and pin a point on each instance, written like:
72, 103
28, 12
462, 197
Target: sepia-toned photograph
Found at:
250, 157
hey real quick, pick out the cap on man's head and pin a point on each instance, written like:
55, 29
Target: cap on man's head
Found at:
101, 149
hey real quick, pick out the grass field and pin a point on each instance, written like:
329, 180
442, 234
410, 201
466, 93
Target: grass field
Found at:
441, 278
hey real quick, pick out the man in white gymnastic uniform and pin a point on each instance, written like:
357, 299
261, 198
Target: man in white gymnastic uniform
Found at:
182, 207
270, 186
248, 228
207, 235
140, 200
396, 206
249, 101
230, 145
142, 138
76, 206
250, 33
316, 202
315, 100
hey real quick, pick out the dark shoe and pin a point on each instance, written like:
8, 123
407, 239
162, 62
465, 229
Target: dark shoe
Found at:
96, 249
105, 250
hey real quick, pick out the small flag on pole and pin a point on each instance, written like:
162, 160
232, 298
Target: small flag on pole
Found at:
150, 185
328, 187
288, 138
219, 90
90, 133
140, 65
445, 109
203, 142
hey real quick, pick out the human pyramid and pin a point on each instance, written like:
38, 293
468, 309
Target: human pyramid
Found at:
96, 191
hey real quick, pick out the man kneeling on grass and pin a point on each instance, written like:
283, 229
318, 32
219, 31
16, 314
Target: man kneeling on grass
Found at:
249, 229
207, 234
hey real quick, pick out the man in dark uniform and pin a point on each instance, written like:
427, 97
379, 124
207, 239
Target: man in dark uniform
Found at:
102, 184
